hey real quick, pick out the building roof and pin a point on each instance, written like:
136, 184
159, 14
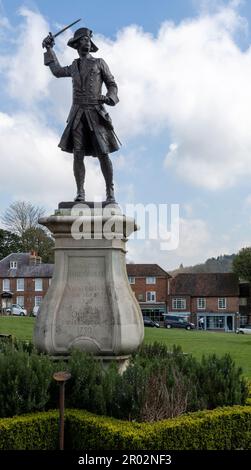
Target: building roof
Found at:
205, 284
24, 269
145, 270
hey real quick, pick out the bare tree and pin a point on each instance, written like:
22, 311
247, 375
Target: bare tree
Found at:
161, 401
21, 216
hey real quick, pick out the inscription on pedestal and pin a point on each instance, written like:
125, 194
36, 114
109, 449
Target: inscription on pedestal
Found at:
85, 304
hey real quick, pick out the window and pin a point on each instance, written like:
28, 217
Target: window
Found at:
222, 302
140, 297
243, 320
151, 296
243, 301
13, 264
6, 285
20, 284
38, 300
179, 304
38, 284
151, 280
201, 303
20, 300
216, 322
131, 279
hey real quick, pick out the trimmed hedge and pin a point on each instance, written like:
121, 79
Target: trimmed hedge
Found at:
36, 431
221, 429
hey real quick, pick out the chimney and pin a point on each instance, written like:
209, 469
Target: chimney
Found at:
34, 259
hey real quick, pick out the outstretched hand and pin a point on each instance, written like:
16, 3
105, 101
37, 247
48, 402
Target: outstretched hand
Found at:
48, 42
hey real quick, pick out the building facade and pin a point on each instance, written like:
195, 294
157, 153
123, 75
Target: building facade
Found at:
210, 300
24, 280
245, 303
150, 284
213, 301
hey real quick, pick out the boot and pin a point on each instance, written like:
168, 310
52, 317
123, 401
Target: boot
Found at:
80, 196
110, 193
79, 173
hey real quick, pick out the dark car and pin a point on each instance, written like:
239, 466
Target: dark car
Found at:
172, 321
151, 323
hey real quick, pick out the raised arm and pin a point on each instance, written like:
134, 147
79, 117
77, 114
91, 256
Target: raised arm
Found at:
51, 59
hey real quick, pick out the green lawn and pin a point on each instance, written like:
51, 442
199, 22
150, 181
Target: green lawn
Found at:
20, 327
194, 342
204, 342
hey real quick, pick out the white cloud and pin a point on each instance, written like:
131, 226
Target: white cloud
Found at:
33, 167
192, 80
247, 201
27, 80
195, 244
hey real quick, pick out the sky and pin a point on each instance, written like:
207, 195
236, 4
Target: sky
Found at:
183, 70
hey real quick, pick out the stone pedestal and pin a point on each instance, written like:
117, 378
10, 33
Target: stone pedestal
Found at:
89, 304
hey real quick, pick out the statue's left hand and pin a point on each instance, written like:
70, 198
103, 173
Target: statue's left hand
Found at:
105, 100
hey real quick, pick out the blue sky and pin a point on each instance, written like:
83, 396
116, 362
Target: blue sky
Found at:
183, 69
107, 17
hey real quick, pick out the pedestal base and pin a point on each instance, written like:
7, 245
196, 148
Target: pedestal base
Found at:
89, 304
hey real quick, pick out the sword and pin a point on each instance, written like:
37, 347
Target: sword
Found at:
64, 29
53, 36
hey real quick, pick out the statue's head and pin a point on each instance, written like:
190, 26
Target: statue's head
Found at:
82, 40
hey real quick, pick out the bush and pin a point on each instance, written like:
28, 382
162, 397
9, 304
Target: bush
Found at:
24, 382
85, 388
126, 391
158, 383
220, 382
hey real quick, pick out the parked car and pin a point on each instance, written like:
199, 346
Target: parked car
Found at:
172, 321
245, 330
16, 310
151, 323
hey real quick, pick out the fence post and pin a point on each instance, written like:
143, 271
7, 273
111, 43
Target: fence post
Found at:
61, 378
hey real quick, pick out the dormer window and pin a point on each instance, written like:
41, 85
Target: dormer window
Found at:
13, 265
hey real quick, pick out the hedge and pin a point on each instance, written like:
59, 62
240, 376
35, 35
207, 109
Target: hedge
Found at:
221, 429
36, 431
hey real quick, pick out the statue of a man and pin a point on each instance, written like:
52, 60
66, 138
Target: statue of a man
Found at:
89, 129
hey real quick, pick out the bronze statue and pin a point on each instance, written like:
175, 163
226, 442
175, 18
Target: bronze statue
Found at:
89, 130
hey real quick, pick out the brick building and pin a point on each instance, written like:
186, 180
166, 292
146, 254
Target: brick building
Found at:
213, 297
24, 280
245, 303
218, 298
150, 284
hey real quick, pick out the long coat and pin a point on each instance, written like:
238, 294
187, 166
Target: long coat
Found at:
88, 76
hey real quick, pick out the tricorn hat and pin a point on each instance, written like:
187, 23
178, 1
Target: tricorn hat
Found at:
79, 33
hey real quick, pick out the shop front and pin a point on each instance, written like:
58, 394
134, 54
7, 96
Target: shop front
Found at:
217, 322
155, 312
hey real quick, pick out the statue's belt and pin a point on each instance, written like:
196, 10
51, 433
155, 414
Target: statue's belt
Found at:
86, 102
